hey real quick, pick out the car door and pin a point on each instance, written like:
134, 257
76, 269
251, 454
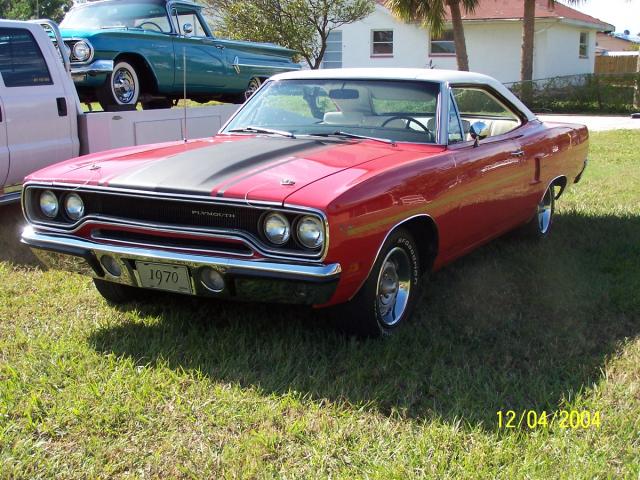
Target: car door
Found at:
36, 116
204, 55
492, 173
4, 147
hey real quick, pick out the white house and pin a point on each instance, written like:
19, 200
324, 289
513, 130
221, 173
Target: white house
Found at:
565, 41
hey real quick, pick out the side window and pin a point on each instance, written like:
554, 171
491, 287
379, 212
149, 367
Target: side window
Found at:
189, 16
455, 133
21, 61
476, 104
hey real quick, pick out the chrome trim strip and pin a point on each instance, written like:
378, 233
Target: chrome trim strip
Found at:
268, 67
233, 265
391, 230
10, 198
254, 243
99, 66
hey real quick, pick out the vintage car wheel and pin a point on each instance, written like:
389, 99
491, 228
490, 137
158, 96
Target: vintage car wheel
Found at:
388, 297
121, 90
115, 292
540, 225
254, 84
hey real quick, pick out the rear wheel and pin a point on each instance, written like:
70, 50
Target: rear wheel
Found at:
540, 225
121, 89
390, 293
115, 292
254, 84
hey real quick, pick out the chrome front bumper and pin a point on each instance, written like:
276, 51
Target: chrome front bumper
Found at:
253, 280
95, 68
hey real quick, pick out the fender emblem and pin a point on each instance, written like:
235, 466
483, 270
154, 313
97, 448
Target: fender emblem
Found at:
287, 181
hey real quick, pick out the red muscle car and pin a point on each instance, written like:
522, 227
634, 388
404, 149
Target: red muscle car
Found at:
327, 187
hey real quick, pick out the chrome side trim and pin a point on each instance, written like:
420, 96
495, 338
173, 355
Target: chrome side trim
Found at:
97, 67
384, 240
228, 265
7, 198
266, 67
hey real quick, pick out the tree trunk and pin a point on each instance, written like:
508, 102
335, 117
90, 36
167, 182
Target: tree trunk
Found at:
458, 35
526, 66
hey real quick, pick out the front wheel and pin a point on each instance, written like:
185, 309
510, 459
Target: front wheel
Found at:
115, 293
121, 89
390, 293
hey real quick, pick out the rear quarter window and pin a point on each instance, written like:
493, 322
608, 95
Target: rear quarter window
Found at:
21, 61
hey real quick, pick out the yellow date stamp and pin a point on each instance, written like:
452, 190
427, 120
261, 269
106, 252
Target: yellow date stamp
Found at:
564, 419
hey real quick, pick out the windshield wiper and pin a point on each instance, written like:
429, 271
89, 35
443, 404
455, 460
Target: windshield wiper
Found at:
353, 135
252, 129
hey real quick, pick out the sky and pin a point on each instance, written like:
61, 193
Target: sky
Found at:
624, 14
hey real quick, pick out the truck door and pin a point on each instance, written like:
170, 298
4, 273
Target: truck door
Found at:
205, 56
37, 113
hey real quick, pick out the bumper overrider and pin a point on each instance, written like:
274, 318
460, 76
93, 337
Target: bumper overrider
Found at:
237, 279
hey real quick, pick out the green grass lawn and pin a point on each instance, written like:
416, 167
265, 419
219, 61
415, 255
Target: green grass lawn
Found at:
179, 387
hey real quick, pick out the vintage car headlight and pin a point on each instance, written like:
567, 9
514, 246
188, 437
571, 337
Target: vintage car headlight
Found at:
310, 231
277, 228
49, 203
74, 206
82, 51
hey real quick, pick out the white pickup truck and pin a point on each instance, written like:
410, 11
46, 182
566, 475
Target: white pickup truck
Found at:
41, 118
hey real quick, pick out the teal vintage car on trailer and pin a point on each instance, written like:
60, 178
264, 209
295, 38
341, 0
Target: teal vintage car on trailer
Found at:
129, 51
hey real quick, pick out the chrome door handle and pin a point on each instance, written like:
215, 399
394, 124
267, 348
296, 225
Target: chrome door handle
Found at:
221, 47
518, 153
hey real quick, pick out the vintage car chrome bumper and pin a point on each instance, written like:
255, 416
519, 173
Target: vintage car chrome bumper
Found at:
243, 279
79, 72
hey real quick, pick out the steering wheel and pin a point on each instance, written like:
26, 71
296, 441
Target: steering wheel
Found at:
409, 121
151, 23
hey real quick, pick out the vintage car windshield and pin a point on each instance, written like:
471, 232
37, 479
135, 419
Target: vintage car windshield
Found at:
103, 15
394, 110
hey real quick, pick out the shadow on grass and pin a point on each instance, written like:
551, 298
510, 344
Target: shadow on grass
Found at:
11, 250
514, 325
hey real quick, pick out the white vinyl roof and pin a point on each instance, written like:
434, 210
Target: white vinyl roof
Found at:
432, 75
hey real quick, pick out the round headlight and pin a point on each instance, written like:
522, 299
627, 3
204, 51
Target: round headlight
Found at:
74, 206
277, 228
81, 51
49, 203
310, 231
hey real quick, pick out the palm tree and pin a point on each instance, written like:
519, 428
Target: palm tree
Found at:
432, 14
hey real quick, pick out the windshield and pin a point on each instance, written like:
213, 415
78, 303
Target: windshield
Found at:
394, 110
144, 15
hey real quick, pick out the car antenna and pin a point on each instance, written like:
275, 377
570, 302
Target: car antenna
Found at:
184, 90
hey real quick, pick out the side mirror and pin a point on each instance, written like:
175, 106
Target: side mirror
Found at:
479, 131
187, 29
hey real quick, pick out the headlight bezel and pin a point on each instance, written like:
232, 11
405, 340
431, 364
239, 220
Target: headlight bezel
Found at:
54, 213
72, 216
319, 222
89, 54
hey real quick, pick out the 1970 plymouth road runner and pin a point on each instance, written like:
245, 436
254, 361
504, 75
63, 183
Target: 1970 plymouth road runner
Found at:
327, 187
125, 51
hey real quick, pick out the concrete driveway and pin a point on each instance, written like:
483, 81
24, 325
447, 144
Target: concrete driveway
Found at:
595, 123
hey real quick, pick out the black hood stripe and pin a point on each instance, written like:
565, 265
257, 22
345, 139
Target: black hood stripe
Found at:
203, 169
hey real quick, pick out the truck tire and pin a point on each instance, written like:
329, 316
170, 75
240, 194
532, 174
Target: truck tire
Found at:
121, 90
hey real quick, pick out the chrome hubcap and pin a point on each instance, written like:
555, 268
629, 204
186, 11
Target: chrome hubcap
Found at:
394, 283
545, 211
124, 86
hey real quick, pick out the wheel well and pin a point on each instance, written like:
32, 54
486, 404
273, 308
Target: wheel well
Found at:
560, 182
147, 77
425, 232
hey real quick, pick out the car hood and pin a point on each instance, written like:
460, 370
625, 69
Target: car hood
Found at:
264, 168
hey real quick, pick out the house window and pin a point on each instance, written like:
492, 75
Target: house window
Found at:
584, 45
382, 42
333, 54
443, 44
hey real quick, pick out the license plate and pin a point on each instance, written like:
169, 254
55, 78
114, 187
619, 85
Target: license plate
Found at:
161, 276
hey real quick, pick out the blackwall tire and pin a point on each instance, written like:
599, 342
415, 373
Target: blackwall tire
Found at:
389, 295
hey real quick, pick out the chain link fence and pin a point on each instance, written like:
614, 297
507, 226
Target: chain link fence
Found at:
603, 93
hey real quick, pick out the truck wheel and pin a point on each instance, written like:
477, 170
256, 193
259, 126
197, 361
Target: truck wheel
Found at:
121, 89
540, 225
115, 292
254, 84
388, 297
